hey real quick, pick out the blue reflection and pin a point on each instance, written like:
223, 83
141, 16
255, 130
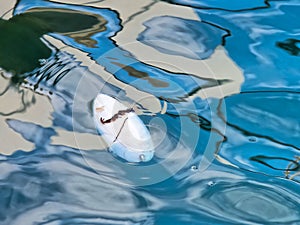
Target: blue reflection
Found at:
254, 178
176, 36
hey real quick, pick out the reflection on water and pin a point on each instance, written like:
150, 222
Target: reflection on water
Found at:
199, 44
23, 32
291, 46
56, 57
63, 189
268, 134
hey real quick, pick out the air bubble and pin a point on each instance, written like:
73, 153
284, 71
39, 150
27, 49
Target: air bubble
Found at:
211, 183
194, 168
252, 139
142, 157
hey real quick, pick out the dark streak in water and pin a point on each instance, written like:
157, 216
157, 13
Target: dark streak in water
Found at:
189, 75
290, 45
5, 90
24, 104
172, 100
57, 69
211, 83
197, 119
142, 75
92, 2
200, 120
112, 58
4, 14
271, 91
266, 2
145, 9
228, 32
262, 159
10, 9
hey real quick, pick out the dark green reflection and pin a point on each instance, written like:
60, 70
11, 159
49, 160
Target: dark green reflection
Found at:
21, 46
290, 45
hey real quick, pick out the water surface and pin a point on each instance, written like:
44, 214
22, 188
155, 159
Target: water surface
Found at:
216, 84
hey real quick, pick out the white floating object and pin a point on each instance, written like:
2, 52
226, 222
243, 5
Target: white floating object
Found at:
124, 132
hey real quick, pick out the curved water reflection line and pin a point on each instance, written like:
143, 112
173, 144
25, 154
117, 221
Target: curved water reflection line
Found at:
99, 71
228, 32
232, 196
67, 191
82, 35
142, 52
7, 8
290, 45
124, 15
271, 152
53, 179
266, 2
211, 90
292, 166
144, 9
251, 133
288, 171
261, 206
10, 89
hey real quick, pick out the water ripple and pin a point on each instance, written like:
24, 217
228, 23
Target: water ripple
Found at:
247, 183
61, 189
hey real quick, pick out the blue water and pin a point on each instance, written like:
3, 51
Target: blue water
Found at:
252, 172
